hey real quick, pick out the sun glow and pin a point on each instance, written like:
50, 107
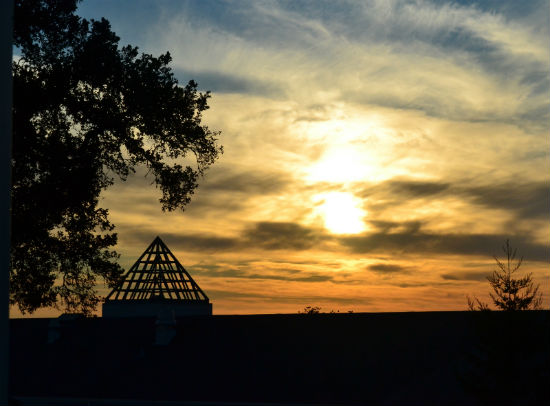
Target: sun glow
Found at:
341, 212
354, 145
340, 164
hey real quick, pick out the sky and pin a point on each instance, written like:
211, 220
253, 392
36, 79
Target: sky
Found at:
377, 154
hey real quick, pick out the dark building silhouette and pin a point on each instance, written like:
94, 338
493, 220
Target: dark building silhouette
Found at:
338, 359
157, 284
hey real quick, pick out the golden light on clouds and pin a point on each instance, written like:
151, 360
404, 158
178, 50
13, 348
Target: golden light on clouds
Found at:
342, 164
375, 157
355, 146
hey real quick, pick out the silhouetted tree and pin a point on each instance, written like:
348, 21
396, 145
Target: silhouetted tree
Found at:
510, 293
311, 310
85, 112
508, 363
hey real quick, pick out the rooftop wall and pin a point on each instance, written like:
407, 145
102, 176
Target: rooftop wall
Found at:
149, 308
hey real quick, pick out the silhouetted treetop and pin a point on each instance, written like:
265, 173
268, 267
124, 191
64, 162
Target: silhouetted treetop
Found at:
510, 293
86, 112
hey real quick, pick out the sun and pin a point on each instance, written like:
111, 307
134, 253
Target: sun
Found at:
341, 212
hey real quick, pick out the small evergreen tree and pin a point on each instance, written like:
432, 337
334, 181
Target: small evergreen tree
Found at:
510, 293
507, 362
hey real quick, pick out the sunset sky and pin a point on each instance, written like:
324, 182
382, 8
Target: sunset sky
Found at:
377, 153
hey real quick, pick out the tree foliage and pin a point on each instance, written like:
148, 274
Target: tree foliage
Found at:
87, 112
510, 293
311, 310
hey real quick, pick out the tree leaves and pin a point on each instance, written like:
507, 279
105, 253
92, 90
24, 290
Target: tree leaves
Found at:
85, 113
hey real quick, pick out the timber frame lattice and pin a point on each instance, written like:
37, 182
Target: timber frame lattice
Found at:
157, 274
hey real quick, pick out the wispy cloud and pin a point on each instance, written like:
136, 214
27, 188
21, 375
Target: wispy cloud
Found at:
433, 115
468, 276
274, 235
423, 243
522, 200
387, 268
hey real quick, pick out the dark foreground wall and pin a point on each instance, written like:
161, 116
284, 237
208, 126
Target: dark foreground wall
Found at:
433, 358
150, 308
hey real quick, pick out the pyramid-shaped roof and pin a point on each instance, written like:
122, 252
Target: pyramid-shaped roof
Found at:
157, 274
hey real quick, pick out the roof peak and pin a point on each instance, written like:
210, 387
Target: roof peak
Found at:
157, 274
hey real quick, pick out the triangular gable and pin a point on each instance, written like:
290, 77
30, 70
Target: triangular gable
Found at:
157, 274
